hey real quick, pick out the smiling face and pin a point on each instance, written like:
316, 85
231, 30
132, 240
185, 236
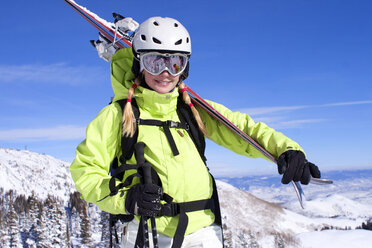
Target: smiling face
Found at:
162, 83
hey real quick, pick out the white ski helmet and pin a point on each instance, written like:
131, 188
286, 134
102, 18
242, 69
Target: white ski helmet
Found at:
162, 34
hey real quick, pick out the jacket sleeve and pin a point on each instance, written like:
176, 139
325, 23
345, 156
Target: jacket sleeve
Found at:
274, 142
90, 169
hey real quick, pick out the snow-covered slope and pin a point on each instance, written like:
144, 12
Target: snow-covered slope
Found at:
25, 172
252, 221
257, 221
344, 205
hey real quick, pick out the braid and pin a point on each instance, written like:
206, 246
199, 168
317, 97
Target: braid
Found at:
129, 124
186, 98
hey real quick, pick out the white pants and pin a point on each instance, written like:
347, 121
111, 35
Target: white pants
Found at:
207, 237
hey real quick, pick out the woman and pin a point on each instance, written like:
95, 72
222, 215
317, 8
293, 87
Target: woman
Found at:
152, 75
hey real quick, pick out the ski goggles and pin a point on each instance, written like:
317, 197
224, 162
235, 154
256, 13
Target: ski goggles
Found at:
155, 63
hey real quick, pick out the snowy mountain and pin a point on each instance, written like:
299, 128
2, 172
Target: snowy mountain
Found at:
25, 172
336, 209
346, 202
28, 179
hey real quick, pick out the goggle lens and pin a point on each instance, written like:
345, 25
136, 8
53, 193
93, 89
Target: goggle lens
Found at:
156, 63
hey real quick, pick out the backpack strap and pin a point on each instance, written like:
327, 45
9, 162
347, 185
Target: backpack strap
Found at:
128, 142
186, 116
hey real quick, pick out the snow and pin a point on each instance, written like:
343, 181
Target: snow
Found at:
337, 205
347, 202
337, 239
343, 205
99, 19
26, 172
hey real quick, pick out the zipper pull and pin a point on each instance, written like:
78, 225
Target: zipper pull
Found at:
180, 133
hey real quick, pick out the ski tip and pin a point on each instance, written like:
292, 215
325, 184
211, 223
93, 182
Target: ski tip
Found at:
299, 193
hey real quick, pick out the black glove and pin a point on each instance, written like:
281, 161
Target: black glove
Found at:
144, 200
294, 167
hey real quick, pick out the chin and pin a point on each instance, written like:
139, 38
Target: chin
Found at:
163, 90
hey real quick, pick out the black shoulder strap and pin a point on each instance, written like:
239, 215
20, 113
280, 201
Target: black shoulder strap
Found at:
186, 116
129, 142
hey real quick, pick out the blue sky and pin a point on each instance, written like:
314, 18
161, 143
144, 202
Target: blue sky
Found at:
303, 67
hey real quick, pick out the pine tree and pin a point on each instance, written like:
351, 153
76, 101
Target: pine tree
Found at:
3, 236
34, 218
13, 228
3, 228
43, 230
68, 235
20, 205
85, 235
105, 227
58, 219
61, 230
52, 225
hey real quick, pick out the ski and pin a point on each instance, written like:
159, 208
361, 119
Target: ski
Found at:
122, 39
107, 29
213, 112
196, 99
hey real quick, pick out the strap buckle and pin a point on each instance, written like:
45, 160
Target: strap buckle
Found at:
170, 209
172, 124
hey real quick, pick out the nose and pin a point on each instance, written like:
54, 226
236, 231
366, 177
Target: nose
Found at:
165, 73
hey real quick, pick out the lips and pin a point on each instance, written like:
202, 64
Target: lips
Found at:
163, 83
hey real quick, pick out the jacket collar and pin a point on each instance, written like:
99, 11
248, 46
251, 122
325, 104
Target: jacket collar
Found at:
156, 103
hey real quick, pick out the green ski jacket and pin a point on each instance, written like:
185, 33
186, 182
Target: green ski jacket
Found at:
185, 176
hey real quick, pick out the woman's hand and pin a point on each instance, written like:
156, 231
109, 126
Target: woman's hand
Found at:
144, 200
294, 167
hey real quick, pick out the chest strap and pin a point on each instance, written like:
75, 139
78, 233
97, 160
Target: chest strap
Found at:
166, 125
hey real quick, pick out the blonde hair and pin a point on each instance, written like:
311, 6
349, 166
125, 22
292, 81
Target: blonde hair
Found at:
129, 120
186, 98
129, 124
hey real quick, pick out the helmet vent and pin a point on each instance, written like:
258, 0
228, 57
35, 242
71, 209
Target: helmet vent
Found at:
156, 40
143, 37
176, 25
179, 42
187, 40
156, 23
